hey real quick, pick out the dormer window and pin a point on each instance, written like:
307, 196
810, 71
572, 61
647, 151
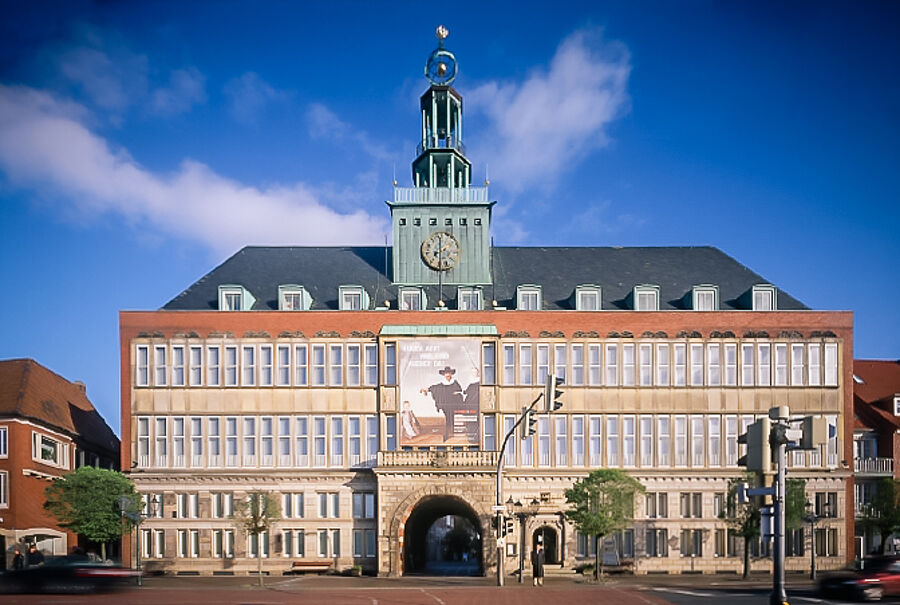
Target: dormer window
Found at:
764, 298
235, 298
587, 298
646, 297
469, 299
896, 405
705, 298
411, 299
292, 297
528, 298
353, 298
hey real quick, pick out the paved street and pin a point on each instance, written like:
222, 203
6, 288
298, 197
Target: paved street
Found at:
424, 590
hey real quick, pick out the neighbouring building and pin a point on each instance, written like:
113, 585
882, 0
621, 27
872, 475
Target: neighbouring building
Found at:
370, 388
876, 440
48, 427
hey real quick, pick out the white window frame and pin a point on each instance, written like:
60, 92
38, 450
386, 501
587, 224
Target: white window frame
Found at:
266, 365
213, 366
578, 440
469, 299
60, 448
814, 364
763, 364
231, 298
698, 442
528, 298
831, 364
714, 364
142, 366
705, 298
410, 298
526, 367
628, 364
214, 441
595, 364
714, 441
283, 365
160, 366
595, 443
588, 298
646, 297
292, 298
318, 365
370, 364
781, 364
646, 436
352, 298
748, 364
508, 359
301, 365
195, 365
561, 440
798, 364
354, 362
697, 364
179, 366
730, 361
4, 489
612, 440
679, 364
576, 377
663, 441
611, 357
629, 441
681, 454
231, 363
765, 297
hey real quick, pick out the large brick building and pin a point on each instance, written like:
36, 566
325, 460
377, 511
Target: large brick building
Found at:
370, 389
48, 427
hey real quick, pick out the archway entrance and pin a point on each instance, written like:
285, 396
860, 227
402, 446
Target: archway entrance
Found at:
546, 535
442, 537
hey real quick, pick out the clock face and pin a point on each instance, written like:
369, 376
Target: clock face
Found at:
440, 251
441, 67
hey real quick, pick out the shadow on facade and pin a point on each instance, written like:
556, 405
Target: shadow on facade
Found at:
443, 537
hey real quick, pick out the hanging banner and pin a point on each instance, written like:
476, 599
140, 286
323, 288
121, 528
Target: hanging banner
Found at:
439, 390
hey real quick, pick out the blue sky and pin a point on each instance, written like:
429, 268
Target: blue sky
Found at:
143, 143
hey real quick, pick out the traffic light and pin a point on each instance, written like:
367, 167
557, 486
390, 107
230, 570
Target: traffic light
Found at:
552, 393
509, 526
528, 423
759, 452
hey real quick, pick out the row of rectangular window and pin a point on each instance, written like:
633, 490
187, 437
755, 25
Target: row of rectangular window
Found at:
645, 441
726, 543
187, 505
665, 364
292, 543
690, 505
257, 365
265, 441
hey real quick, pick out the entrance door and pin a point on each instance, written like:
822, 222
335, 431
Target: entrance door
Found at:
442, 537
547, 536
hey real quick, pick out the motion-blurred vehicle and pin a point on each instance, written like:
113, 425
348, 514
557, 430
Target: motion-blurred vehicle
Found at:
878, 577
70, 573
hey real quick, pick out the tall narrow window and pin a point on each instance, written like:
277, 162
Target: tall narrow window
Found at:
747, 364
578, 440
560, 363
354, 440
730, 364
370, 353
664, 441
612, 365
319, 441
336, 362
178, 369
212, 366
160, 373
543, 434
196, 442
488, 363
354, 367
509, 364
371, 439
715, 440
318, 365
696, 365
562, 440
814, 365
646, 441
301, 369
662, 365
214, 440
628, 441
284, 441
577, 377
628, 365
595, 424
645, 355
301, 441
612, 441
196, 361
489, 426
249, 433
680, 441
283, 371
267, 440
337, 441
797, 363
831, 364
162, 443
390, 433
543, 363
713, 365
525, 375
390, 363
231, 366
143, 432
697, 442
248, 365
142, 366
231, 441
595, 370
680, 354
265, 365
763, 364
781, 364
509, 455
731, 435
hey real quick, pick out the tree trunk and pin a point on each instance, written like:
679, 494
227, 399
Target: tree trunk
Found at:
103, 551
746, 558
259, 560
597, 558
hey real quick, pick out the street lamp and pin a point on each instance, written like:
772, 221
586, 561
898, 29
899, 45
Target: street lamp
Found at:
523, 512
812, 518
137, 518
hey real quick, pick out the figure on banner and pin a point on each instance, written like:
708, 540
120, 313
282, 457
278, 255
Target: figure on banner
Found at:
409, 424
448, 397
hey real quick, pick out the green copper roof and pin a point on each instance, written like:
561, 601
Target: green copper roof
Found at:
440, 330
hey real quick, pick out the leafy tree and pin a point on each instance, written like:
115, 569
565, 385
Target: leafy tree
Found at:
602, 503
91, 501
255, 514
743, 519
882, 514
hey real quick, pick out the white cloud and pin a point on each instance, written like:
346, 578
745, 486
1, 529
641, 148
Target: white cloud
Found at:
186, 88
325, 124
597, 217
249, 95
44, 144
540, 127
113, 83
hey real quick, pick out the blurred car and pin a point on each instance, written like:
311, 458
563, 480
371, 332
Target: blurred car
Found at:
70, 573
877, 578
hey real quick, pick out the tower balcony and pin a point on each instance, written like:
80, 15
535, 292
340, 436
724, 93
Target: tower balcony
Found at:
451, 142
473, 459
440, 195
874, 467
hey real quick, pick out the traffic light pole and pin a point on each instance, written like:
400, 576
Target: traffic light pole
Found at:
499, 508
779, 596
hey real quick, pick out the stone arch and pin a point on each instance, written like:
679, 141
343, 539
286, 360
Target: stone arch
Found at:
401, 513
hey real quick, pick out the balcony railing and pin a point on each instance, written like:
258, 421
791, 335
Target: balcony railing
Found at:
440, 195
438, 458
873, 466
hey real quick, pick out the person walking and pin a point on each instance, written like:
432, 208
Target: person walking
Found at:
537, 565
18, 560
35, 557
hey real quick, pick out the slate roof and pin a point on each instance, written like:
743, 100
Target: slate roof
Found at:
558, 270
29, 390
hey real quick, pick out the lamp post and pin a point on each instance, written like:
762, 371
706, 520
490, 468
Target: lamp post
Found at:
137, 518
812, 518
523, 512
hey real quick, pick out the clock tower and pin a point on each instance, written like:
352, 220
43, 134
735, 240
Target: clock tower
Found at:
441, 225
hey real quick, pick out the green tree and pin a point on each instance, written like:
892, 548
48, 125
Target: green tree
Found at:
743, 520
882, 514
255, 514
91, 501
602, 503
